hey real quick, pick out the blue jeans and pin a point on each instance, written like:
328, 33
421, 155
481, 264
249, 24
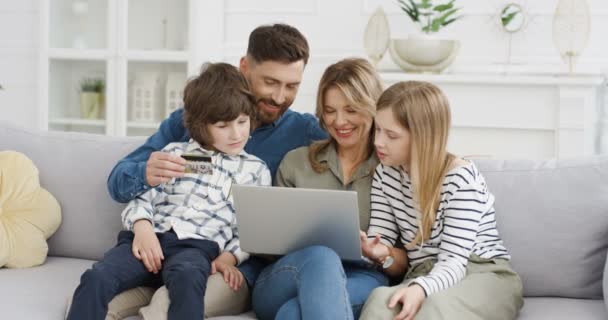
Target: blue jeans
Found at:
185, 271
312, 283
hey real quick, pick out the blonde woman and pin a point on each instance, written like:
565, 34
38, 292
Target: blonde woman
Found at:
439, 206
312, 283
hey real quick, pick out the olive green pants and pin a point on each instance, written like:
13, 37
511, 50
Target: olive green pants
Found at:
491, 290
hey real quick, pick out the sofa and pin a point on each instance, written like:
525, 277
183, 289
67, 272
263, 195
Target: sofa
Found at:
552, 214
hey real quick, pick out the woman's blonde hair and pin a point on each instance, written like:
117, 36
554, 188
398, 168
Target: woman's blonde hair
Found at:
357, 79
424, 111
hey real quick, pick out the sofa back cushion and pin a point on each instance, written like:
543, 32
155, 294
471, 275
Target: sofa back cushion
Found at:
74, 168
553, 217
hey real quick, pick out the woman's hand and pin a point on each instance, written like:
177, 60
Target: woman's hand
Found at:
372, 248
146, 246
226, 263
411, 299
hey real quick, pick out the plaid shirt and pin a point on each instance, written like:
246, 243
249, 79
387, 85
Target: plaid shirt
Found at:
200, 205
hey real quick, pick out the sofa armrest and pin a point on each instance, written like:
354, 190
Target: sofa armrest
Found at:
605, 283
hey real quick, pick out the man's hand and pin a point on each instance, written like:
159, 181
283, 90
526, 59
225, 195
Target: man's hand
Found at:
372, 248
146, 246
411, 299
226, 265
162, 166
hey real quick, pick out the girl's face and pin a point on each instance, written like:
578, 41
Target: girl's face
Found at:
230, 137
348, 126
392, 140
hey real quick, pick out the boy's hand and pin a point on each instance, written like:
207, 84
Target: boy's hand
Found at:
146, 246
162, 166
226, 265
372, 248
411, 298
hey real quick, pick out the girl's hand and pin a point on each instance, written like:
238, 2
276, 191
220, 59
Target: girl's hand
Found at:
146, 246
372, 248
232, 275
411, 299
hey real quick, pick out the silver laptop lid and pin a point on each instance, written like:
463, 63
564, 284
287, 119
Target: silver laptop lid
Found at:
274, 220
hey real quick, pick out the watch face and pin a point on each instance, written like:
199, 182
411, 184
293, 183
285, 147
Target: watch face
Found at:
388, 262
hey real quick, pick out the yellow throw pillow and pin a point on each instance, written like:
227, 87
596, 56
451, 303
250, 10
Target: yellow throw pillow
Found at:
28, 213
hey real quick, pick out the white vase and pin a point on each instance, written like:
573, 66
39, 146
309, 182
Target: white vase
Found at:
422, 53
377, 36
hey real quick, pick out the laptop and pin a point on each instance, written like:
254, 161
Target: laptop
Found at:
277, 221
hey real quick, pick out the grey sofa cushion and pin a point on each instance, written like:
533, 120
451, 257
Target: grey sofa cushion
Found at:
74, 168
553, 217
40, 293
562, 309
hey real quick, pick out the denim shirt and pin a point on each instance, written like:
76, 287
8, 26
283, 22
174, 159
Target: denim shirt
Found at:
270, 143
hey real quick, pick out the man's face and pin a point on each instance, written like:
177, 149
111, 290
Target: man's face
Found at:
274, 84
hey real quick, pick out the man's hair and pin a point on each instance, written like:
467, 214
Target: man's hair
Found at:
277, 42
219, 93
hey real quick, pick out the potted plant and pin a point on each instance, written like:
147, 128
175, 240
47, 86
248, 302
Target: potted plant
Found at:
92, 98
425, 52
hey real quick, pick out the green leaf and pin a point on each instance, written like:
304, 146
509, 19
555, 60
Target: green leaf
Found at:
411, 9
447, 14
445, 23
506, 20
425, 4
444, 7
436, 25
404, 5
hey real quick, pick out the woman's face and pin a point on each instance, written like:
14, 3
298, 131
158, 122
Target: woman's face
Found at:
348, 126
392, 140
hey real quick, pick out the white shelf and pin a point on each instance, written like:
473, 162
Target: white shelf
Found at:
143, 125
157, 55
78, 122
113, 40
78, 54
502, 79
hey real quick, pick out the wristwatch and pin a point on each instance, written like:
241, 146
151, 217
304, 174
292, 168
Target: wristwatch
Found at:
388, 262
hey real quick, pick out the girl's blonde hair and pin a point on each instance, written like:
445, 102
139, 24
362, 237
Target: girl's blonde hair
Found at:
424, 111
357, 79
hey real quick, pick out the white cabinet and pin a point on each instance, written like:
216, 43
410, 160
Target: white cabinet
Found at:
520, 116
121, 42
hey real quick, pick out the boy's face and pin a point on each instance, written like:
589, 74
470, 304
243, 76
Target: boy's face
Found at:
230, 137
274, 85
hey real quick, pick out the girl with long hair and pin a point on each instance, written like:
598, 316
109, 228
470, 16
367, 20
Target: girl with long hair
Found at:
439, 207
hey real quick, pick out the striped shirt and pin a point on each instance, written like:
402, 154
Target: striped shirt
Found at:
200, 205
465, 223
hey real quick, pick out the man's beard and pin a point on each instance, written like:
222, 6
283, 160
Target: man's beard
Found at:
265, 117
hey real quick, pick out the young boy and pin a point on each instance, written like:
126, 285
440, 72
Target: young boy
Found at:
174, 231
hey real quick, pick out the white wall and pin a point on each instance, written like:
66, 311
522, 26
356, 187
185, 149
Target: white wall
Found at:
334, 29
19, 61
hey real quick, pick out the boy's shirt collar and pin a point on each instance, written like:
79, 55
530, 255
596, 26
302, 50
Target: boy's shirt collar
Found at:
195, 147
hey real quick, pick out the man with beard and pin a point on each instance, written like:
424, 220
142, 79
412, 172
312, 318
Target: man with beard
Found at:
273, 66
